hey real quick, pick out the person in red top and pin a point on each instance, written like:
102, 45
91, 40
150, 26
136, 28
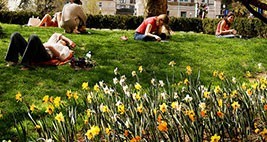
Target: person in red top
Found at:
223, 27
150, 28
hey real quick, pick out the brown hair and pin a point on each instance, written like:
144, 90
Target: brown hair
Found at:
163, 17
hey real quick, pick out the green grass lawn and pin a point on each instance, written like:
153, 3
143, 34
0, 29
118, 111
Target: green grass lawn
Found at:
204, 53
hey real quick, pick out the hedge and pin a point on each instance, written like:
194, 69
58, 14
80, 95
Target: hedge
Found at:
249, 27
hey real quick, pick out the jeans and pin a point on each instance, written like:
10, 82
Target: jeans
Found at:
138, 36
32, 51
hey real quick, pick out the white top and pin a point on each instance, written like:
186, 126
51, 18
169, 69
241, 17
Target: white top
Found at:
55, 42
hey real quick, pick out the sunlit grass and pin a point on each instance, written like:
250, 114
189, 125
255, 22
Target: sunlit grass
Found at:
203, 53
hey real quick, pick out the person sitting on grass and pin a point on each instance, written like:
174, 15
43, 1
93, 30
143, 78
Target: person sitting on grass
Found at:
35, 52
48, 21
150, 29
73, 19
223, 27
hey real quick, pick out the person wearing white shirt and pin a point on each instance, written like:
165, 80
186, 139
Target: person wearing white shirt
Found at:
34, 51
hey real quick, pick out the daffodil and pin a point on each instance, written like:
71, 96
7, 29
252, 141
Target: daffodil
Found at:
32, 107
121, 109
69, 94
140, 68
215, 138
37, 127
235, 105
215, 73
188, 70
220, 114
137, 86
88, 112
163, 126
221, 75
136, 96
206, 94
59, 117
45, 98
116, 71
191, 115
188, 98
217, 89
249, 92
85, 86
186, 81
263, 133
161, 83
175, 105
163, 107
140, 108
104, 108
57, 101
220, 102
133, 73
172, 63
18, 97
75, 95
89, 98
202, 106
50, 109
136, 139
96, 88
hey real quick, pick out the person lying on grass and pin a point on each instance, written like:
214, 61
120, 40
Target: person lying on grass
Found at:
35, 52
49, 21
223, 27
151, 28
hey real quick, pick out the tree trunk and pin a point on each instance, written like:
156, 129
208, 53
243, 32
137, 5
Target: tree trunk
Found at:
256, 3
155, 7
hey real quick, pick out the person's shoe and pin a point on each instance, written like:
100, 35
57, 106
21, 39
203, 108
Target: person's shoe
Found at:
11, 64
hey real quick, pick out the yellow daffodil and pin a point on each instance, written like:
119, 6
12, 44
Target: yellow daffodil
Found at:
249, 92
163, 107
140, 68
75, 95
104, 108
202, 106
163, 126
50, 109
235, 105
57, 101
188, 70
248, 74
263, 133
69, 94
136, 96
85, 121
88, 112
244, 86
18, 97
137, 86
172, 63
96, 88
220, 102
51, 99
257, 130
32, 107
217, 89
108, 131
121, 109
206, 94
175, 105
254, 86
85, 86
89, 134
95, 130
215, 138
186, 82
191, 115
59, 117
234, 93
45, 98
221, 75
89, 98
140, 108
263, 87
215, 73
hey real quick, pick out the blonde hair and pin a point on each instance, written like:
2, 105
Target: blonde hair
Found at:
164, 18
